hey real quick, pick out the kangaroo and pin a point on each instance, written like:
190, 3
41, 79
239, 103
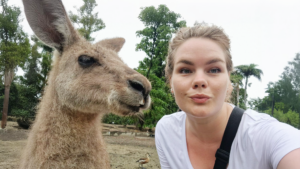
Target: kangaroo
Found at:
86, 81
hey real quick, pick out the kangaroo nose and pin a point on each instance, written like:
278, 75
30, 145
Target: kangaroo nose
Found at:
137, 86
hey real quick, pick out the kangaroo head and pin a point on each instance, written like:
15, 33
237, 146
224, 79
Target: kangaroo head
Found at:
86, 77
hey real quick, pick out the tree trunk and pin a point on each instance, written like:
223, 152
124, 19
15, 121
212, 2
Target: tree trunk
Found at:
273, 102
152, 52
8, 76
149, 68
245, 94
237, 95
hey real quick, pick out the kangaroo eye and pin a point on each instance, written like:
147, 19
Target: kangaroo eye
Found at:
86, 61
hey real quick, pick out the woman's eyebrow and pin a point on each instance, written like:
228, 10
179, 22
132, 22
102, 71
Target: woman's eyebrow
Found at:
214, 61
185, 62
207, 63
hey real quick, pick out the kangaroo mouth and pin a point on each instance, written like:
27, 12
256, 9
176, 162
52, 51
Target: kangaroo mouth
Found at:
134, 108
131, 108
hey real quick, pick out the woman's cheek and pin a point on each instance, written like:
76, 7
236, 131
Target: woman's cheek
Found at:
221, 89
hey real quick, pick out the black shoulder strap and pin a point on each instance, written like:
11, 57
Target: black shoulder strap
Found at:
222, 155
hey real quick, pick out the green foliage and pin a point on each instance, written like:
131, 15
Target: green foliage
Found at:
28, 99
259, 104
26, 90
14, 44
14, 48
29, 85
241, 99
279, 106
115, 119
159, 24
295, 72
21, 113
236, 80
45, 65
86, 20
291, 117
31, 68
13, 97
284, 94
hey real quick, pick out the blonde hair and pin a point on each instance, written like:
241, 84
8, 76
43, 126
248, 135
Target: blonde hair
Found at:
203, 30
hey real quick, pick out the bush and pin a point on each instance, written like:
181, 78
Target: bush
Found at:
115, 119
291, 117
20, 113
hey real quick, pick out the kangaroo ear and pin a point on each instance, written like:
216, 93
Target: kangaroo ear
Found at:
50, 22
114, 44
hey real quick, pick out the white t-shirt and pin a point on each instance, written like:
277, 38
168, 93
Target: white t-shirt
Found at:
260, 143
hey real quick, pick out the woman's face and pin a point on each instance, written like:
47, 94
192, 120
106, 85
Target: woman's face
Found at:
200, 78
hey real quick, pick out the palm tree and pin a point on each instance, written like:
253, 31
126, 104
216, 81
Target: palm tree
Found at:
236, 78
247, 71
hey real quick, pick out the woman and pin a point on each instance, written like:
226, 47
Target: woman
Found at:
198, 71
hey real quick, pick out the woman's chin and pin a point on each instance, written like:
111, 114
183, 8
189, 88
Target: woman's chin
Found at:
198, 115
200, 112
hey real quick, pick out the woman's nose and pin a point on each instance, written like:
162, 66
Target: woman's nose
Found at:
200, 80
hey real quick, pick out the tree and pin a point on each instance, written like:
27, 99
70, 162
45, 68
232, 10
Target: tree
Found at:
288, 95
247, 71
14, 48
283, 95
86, 20
45, 65
236, 78
13, 96
30, 85
273, 90
295, 72
26, 90
295, 80
160, 23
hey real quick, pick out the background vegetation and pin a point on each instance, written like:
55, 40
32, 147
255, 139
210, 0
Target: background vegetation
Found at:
20, 95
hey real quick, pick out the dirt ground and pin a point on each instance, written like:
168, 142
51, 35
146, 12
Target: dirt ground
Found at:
124, 151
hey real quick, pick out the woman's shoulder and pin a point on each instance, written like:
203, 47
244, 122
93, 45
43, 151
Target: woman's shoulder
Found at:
257, 116
262, 121
174, 117
261, 136
262, 126
170, 128
171, 120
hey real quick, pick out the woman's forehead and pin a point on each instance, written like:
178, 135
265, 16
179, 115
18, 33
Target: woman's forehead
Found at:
201, 49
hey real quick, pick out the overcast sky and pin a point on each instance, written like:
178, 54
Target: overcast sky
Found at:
263, 32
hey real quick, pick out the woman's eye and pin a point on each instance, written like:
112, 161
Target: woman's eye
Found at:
185, 71
214, 70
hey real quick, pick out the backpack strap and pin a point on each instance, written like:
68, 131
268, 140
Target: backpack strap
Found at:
222, 154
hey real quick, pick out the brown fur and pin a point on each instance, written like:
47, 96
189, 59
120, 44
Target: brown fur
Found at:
67, 130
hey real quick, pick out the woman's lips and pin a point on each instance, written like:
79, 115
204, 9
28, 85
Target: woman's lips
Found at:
200, 98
